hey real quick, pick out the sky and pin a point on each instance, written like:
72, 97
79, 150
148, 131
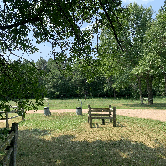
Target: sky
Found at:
45, 48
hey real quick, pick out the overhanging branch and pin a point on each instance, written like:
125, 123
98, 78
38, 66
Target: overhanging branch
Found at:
111, 24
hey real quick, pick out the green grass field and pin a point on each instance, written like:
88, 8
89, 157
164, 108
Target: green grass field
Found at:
159, 103
66, 138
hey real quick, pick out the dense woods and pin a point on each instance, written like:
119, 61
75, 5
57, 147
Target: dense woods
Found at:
75, 85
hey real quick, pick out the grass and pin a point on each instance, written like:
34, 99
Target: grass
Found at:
66, 139
159, 103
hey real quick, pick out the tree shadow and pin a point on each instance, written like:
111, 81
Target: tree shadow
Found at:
63, 150
153, 106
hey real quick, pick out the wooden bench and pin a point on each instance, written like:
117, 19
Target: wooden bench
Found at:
105, 113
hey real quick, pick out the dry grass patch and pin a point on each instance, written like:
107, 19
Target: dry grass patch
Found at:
67, 139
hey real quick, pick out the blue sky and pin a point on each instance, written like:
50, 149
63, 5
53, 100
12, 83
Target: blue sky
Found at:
45, 48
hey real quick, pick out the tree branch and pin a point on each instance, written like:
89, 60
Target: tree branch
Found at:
22, 22
112, 26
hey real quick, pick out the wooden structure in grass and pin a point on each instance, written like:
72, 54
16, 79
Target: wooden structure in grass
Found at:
9, 147
15, 110
102, 113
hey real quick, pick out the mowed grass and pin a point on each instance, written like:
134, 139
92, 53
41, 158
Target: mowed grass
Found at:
66, 139
159, 103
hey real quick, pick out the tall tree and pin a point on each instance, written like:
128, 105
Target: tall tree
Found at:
122, 64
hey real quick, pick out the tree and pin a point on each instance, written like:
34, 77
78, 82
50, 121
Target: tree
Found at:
122, 65
19, 83
54, 21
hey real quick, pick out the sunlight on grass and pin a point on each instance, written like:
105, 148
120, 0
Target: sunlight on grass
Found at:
67, 139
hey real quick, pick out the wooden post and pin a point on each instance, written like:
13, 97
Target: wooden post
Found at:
114, 116
23, 113
110, 112
89, 117
103, 121
88, 113
7, 124
14, 145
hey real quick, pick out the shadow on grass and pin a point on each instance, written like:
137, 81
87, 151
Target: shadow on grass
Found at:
98, 125
62, 150
153, 106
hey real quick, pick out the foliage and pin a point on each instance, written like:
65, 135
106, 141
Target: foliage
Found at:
143, 58
19, 83
56, 22
4, 133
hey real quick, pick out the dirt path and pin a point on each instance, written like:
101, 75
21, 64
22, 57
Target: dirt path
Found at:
140, 113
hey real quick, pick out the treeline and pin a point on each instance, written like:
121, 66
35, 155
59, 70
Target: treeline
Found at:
75, 84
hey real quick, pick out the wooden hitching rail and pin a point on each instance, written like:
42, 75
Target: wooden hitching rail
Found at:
7, 117
10, 145
102, 116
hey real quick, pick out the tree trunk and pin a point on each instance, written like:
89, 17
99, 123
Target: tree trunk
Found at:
165, 82
149, 80
140, 90
114, 94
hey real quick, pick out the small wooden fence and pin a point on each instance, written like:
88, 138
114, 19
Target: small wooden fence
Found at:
10, 145
7, 115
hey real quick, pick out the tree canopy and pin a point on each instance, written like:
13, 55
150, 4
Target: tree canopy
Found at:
54, 21
145, 60
20, 83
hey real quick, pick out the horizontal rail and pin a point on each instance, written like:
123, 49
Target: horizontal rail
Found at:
99, 114
101, 117
5, 160
101, 110
7, 142
10, 117
8, 112
13, 117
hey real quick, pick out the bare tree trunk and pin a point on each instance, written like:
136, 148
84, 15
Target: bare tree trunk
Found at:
114, 94
149, 80
140, 90
165, 82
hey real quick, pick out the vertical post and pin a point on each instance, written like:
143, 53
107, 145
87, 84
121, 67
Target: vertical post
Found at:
23, 114
110, 112
89, 117
114, 116
14, 144
7, 124
103, 121
88, 112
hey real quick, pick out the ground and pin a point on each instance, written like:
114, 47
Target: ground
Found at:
140, 113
